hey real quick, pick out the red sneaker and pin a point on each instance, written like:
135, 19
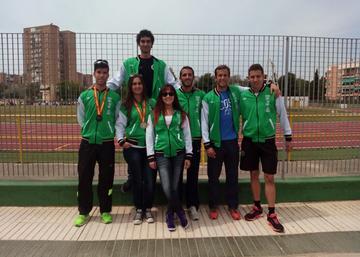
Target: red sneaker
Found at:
213, 214
275, 223
235, 214
254, 214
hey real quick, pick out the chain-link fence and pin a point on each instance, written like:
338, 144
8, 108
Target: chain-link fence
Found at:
43, 71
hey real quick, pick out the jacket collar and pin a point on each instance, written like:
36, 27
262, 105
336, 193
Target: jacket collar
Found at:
153, 57
193, 89
218, 92
105, 89
262, 89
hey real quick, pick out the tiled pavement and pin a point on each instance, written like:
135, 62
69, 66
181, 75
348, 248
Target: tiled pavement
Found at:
313, 229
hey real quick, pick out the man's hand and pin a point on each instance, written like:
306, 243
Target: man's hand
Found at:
211, 152
152, 165
187, 164
126, 145
239, 140
288, 146
275, 89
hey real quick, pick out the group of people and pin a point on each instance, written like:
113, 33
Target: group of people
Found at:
160, 126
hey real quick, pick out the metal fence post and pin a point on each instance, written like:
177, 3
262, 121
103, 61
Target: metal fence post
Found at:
283, 170
19, 131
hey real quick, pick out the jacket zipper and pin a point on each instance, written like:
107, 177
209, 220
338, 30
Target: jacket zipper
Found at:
257, 116
97, 122
188, 100
96, 130
169, 138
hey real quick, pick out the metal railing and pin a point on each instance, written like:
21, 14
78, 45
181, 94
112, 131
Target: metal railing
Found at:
42, 74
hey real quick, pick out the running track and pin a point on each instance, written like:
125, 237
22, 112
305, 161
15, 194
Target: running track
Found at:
66, 137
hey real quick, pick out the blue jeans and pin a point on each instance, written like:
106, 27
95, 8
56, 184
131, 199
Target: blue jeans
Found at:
143, 178
170, 169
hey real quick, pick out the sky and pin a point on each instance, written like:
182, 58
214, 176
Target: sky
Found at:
324, 18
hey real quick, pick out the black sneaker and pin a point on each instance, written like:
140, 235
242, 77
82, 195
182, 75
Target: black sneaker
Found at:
274, 223
138, 217
254, 214
170, 221
148, 216
126, 187
182, 217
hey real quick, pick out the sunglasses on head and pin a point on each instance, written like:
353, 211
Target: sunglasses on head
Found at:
167, 94
101, 62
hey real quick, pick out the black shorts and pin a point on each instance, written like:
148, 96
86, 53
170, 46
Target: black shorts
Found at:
252, 153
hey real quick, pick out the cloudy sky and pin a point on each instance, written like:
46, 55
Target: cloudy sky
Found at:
329, 18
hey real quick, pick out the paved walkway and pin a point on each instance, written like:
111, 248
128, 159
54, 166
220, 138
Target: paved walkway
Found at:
313, 229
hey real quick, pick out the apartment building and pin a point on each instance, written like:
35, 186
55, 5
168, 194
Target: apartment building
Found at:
49, 58
343, 81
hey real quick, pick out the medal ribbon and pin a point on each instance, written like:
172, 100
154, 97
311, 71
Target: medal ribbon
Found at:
99, 108
143, 113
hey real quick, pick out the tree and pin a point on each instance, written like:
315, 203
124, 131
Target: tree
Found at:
296, 86
68, 91
291, 82
206, 82
15, 91
32, 92
317, 87
236, 79
2, 90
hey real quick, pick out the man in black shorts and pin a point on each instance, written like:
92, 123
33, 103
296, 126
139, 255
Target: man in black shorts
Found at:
259, 108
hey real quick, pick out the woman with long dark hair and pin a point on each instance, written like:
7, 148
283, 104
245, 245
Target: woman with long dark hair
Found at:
131, 136
169, 149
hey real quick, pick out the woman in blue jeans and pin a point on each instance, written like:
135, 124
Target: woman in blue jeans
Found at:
131, 136
169, 149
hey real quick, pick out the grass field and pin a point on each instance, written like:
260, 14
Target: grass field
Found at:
71, 157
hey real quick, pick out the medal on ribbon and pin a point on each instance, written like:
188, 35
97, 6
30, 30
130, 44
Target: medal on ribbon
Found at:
99, 107
141, 113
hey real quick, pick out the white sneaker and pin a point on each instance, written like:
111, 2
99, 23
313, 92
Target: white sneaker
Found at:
193, 213
148, 216
138, 217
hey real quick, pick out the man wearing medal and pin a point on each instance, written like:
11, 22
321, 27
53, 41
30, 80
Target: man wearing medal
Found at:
154, 71
97, 111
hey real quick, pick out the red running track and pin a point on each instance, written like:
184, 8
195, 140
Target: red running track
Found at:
66, 137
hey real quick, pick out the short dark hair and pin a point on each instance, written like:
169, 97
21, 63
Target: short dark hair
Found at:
99, 64
222, 67
254, 67
145, 33
187, 68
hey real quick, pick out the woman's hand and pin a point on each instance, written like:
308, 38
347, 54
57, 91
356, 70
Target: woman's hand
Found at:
152, 165
187, 164
211, 152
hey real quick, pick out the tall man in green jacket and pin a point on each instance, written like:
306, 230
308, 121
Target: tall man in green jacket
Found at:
219, 126
155, 74
97, 111
259, 109
190, 99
